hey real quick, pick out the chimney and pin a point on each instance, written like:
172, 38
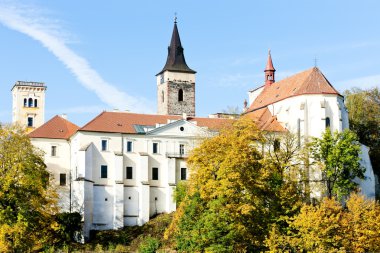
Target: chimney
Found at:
64, 116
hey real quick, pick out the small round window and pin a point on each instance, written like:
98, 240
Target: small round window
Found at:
181, 128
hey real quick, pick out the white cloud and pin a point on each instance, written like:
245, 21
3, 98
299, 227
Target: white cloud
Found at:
31, 22
361, 82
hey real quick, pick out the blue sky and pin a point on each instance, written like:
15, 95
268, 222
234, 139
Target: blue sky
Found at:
101, 55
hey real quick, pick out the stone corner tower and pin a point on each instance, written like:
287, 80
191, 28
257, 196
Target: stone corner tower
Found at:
28, 104
176, 82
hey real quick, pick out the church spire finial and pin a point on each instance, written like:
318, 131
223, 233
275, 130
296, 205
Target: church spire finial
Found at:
175, 17
269, 70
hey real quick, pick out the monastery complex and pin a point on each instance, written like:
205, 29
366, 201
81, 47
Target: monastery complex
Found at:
121, 168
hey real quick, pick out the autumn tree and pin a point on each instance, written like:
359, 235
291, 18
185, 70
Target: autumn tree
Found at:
331, 227
364, 118
234, 194
27, 203
338, 157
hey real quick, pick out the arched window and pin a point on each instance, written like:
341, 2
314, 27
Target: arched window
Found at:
30, 102
327, 122
35, 103
162, 97
180, 95
25, 102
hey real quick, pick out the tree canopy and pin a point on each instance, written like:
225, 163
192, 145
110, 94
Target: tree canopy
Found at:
27, 202
364, 116
234, 193
338, 156
331, 227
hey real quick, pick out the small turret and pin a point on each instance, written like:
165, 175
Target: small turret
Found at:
269, 71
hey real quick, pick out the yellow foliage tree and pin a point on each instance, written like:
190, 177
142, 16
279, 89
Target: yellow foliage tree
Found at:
330, 227
27, 202
234, 193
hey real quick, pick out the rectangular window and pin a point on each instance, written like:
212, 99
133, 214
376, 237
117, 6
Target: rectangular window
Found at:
104, 145
53, 150
62, 179
103, 171
154, 173
129, 146
183, 173
155, 148
30, 121
129, 173
181, 149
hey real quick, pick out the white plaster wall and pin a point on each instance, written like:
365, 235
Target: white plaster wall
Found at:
178, 76
252, 95
157, 200
367, 186
312, 110
56, 165
103, 207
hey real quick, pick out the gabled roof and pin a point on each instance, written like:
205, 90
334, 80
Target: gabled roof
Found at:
311, 81
176, 59
168, 128
130, 123
265, 121
55, 128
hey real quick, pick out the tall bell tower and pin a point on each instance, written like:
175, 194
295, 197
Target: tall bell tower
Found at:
176, 81
28, 104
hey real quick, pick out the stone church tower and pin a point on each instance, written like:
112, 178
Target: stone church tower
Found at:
28, 105
176, 82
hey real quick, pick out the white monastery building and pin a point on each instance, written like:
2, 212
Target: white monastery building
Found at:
121, 168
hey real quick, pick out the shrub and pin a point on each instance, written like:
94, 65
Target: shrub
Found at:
149, 245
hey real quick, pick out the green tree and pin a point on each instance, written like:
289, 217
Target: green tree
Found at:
27, 203
234, 194
364, 116
338, 157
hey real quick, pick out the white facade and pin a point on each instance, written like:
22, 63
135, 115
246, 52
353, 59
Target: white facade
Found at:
57, 160
111, 200
308, 116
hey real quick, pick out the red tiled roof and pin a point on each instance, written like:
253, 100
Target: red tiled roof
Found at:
311, 81
55, 128
265, 121
124, 122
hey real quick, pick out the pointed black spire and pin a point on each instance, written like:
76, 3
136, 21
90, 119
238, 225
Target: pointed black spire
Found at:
176, 59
